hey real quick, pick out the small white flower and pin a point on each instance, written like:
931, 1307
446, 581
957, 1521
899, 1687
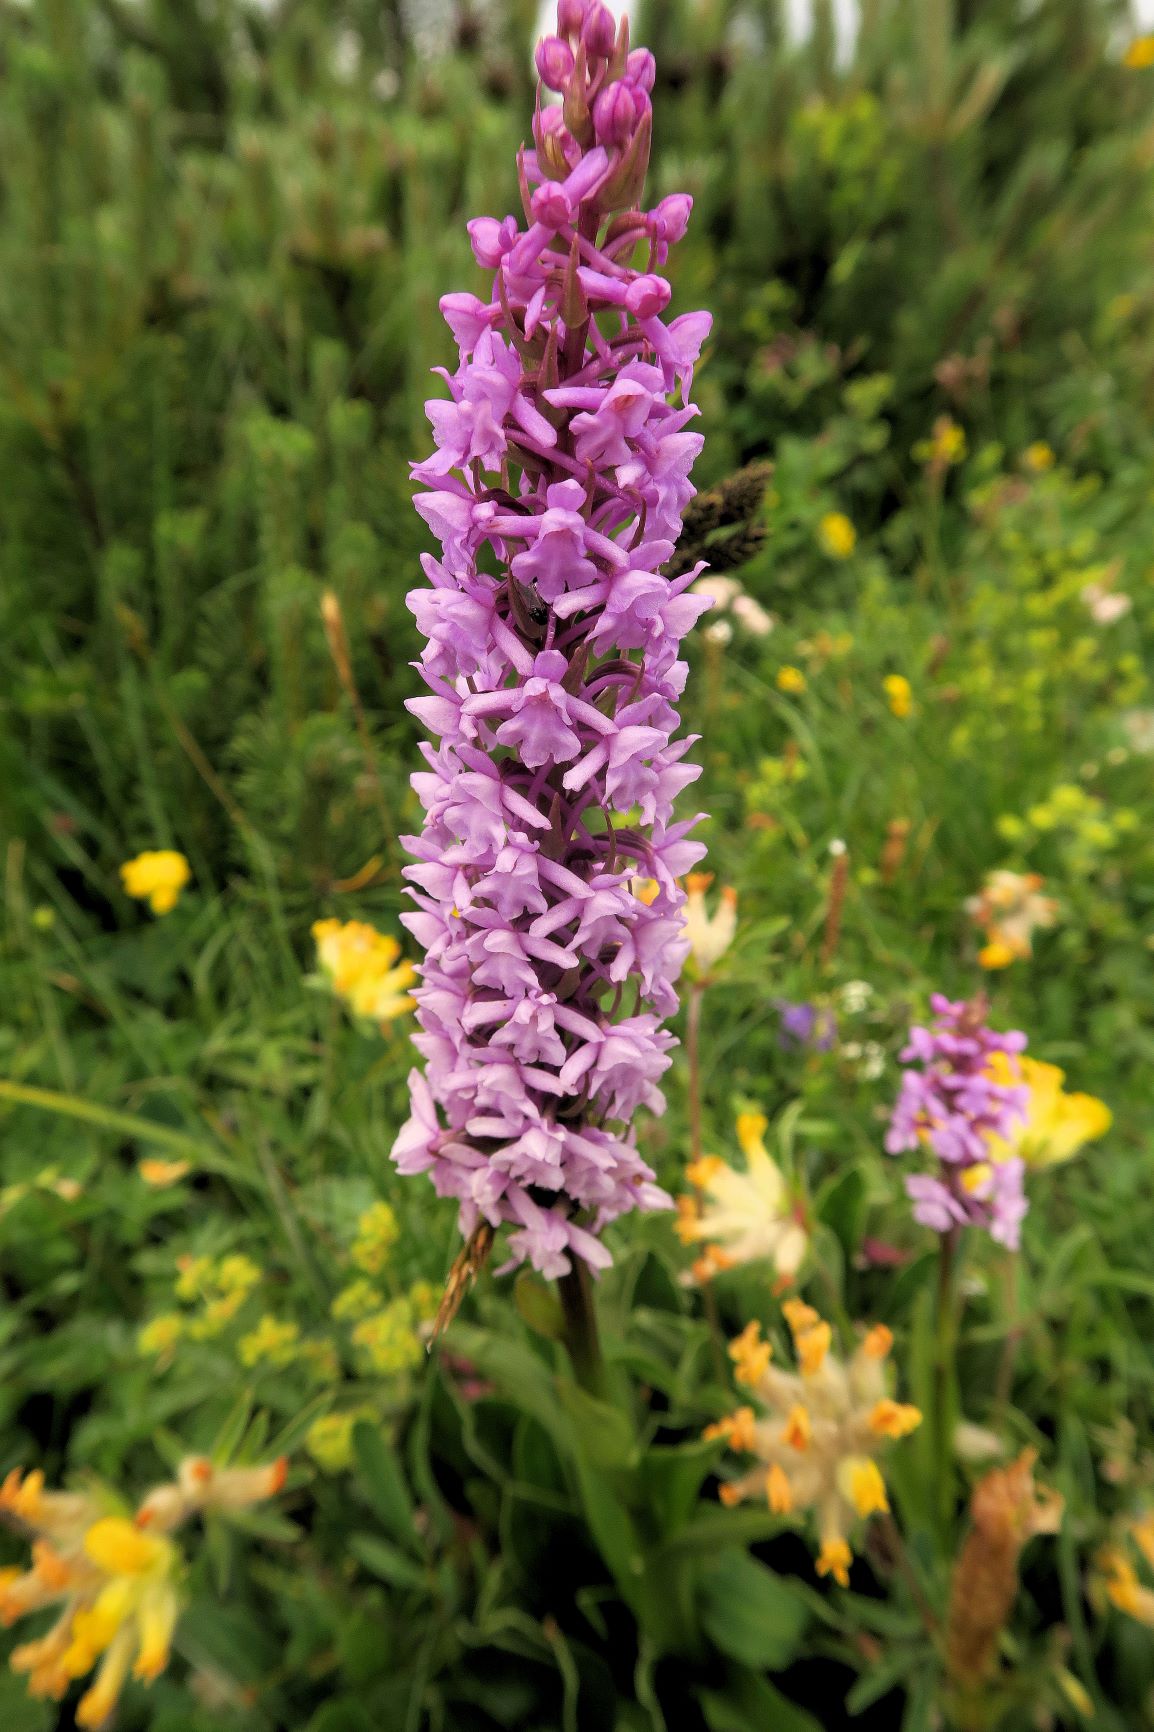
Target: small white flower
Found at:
720, 632
854, 996
753, 616
720, 590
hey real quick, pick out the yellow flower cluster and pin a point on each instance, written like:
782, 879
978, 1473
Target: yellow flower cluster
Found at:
1009, 909
742, 1216
274, 1341
1057, 1125
219, 1286
156, 877
389, 1340
329, 1440
112, 1578
1080, 822
377, 1232
362, 967
816, 1431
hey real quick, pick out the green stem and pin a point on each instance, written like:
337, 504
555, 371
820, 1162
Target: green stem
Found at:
580, 1333
945, 1348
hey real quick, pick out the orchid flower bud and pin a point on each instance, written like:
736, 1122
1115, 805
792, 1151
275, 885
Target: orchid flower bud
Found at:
554, 59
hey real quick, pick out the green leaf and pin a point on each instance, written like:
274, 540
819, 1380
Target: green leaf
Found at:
841, 1206
751, 1613
606, 1436
380, 1478
387, 1561
751, 1704
539, 1305
672, 1478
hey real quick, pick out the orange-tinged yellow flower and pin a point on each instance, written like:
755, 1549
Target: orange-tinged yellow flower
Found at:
750, 1354
161, 1174
1009, 909
156, 877
364, 969
742, 1216
113, 1579
837, 535
817, 1433
1057, 1125
835, 1559
899, 695
736, 1428
894, 1418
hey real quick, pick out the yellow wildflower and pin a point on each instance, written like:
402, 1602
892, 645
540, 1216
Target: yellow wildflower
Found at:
736, 1428
945, 446
750, 1354
329, 1440
156, 877
837, 535
377, 1233
193, 1276
1140, 54
834, 1560
218, 1313
161, 1174
355, 1300
646, 890
237, 1274
273, 1340
816, 1435
160, 1336
389, 1340
112, 1580
899, 695
791, 680
742, 1216
1038, 457
1009, 909
709, 935
1057, 1125
362, 967
425, 1298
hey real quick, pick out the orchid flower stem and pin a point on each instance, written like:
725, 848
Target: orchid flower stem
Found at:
945, 1349
582, 1341
693, 1065
1003, 1389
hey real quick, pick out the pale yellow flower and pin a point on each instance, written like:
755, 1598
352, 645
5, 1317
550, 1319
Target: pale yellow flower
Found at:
1009, 909
1057, 1125
837, 535
742, 1215
709, 935
363, 968
112, 1580
899, 694
156, 877
816, 1433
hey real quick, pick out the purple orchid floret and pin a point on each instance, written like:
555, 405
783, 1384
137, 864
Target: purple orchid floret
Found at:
556, 490
958, 1107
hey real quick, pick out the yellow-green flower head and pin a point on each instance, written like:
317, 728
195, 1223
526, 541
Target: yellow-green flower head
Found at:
816, 1432
362, 968
156, 877
377, 1233
1057, 1125
742, 1216
945, 446
836, 535
273, 1342
159, 1337
329, 1440
358, 1299
388, 1339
